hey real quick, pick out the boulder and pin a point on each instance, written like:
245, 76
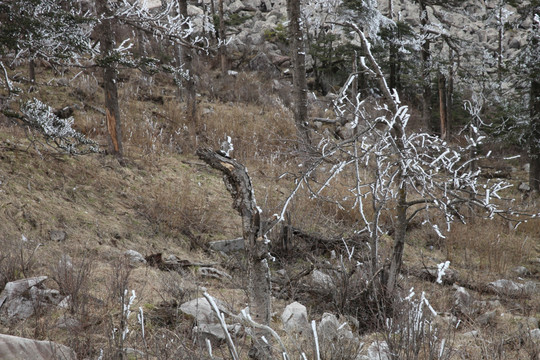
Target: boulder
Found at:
214, 332
521, 271
322, 280
378, 350
13, 347
228, 246
511, 288
463, 301
135, 258
214, 273
21, 298
57, 235
294, 318
201, 310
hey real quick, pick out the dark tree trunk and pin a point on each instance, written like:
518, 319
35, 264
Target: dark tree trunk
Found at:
426, 78
189, 83
443, 109
238, 183
110, 77
534, 142
222, 48
298, 57
534, 107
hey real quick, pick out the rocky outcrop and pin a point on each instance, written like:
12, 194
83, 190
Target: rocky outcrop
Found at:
17, 348
21, 298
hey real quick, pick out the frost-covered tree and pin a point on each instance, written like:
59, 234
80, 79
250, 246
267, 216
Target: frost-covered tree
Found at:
399, 175
46, 29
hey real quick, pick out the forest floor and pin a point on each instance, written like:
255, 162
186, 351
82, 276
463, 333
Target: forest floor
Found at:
163, 199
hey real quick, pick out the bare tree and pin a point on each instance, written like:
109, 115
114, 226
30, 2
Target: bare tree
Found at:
189, 78
238, 183
298, 56
106, 32
401, 175
534, 107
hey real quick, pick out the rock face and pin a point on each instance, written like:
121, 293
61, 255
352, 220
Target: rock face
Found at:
21, 298
17, 348
294, 318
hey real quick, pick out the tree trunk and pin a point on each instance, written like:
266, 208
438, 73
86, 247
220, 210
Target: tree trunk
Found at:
298, 57
443, 110
238, 183
32, 70
189, 82
399, 242
222, 48
110, 75
426, 78
534, 106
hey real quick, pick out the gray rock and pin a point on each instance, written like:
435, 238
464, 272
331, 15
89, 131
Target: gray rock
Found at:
521, 271
201, 310
21, 298
535, 334
214, 273
135, 258
228, 246
68, 323
378, 350
294, 318
463, 300
262, 63
487, 318
322, 280
13, 347
328, 327
57, 235
524, 187
214, 332
471, 334
508, 287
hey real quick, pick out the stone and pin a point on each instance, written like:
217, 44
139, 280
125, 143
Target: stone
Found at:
535, 334
20, 299
524, 187
294, 318
14, 347
378, 350
507, 287
328, 327
135, 258
201, 310
471, 334
487, 318
214, 332
214, 273
322, 280
462, 300
57, 235
521, 271
262, 63
227, 246
68, 323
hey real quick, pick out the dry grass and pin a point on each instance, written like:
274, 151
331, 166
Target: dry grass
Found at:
488, 245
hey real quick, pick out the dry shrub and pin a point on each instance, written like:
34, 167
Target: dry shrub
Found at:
258, 136
487, 245
17, 259
179, 206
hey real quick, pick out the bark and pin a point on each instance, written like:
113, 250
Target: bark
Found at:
222, 48
426, 78
399, 242
110, 75
239, 185
298, 57
534, 142
534, 108
443, 109
189, 83
32, 70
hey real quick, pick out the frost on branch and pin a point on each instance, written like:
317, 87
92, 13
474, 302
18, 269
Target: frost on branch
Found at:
41, 117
